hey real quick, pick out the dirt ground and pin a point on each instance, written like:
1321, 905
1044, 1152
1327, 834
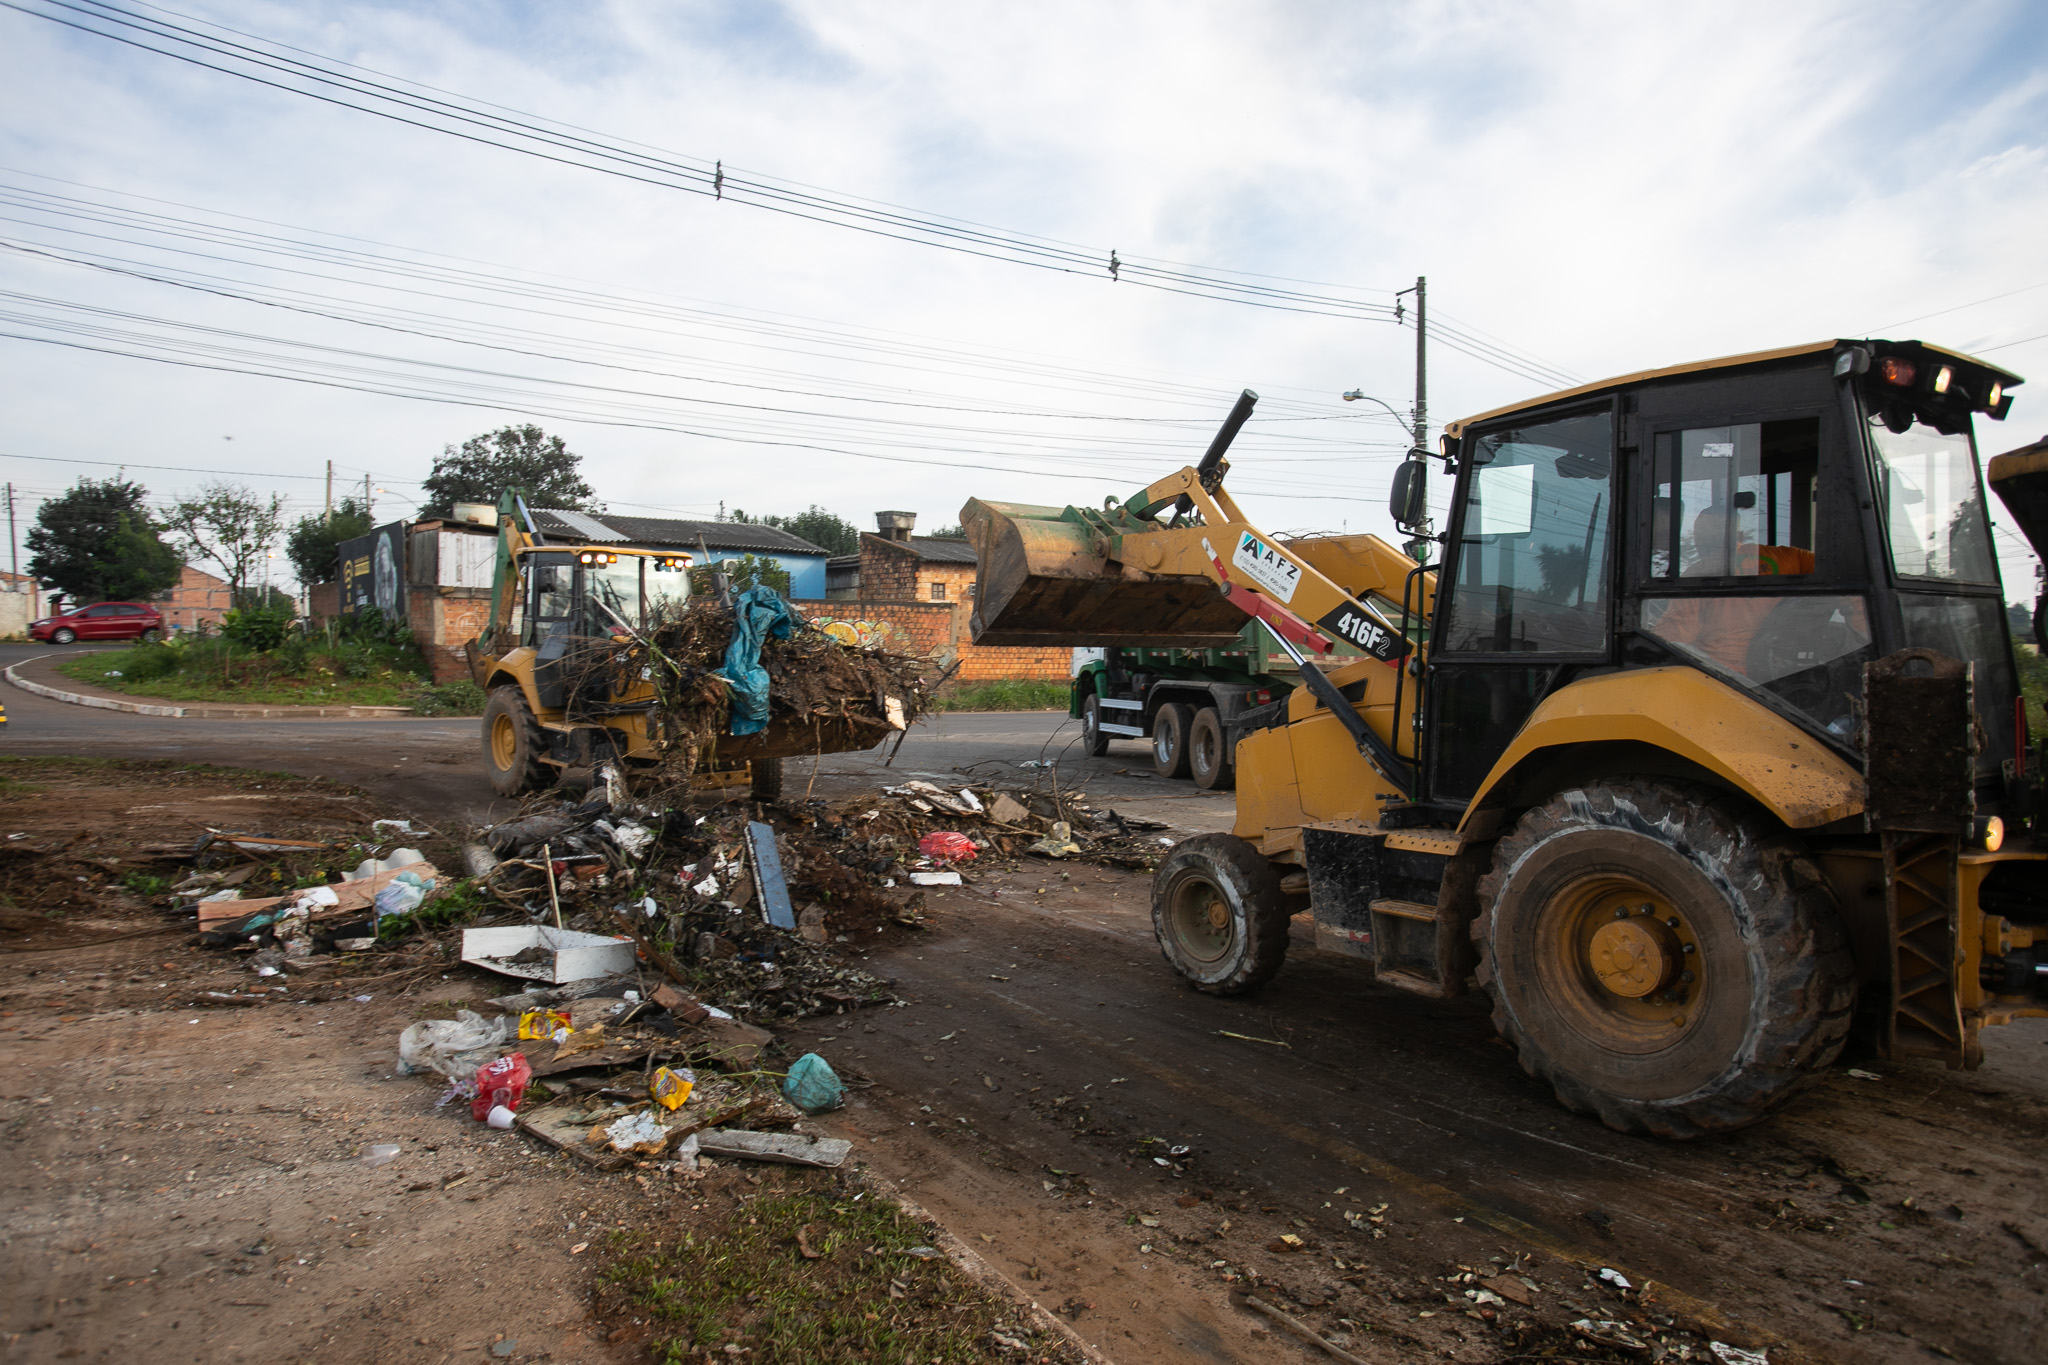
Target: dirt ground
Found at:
189, 1179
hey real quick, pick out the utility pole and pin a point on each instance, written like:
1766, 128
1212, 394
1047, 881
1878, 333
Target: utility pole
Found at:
13, 546
330, 492
366, 497
1421, 364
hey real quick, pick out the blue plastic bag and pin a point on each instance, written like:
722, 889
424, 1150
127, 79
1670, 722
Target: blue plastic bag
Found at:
758, 614
811, 1086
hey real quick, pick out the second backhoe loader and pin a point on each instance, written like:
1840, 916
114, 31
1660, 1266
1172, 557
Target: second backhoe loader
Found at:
1714, 748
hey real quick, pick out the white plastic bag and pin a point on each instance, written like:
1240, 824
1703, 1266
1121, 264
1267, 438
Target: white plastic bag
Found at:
454, 1047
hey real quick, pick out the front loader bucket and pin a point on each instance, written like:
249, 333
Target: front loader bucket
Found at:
806, 737
2020, 478
1046, 579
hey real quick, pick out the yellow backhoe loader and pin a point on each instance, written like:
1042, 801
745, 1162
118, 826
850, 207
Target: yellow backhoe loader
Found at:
1715, 745
544, 714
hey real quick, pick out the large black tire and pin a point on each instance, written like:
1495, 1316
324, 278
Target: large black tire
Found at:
1722, 988
1170, 740
513, 744
765, 777
1219, 913
1092, 737
1209, 758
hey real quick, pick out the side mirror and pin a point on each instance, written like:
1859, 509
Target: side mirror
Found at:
1408, 500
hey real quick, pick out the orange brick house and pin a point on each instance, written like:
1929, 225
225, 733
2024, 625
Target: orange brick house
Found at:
198, 600
916, 593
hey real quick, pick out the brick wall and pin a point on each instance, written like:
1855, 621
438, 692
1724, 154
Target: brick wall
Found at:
199, 598
985, 663
937, 630
443, 620
323, 600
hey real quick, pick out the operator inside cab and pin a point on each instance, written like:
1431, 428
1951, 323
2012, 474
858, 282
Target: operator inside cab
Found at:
1721, 546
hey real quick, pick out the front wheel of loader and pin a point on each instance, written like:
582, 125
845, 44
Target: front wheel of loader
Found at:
1209, 760
1219, 913
1170, 740
765, 780
512, 744
1666, 961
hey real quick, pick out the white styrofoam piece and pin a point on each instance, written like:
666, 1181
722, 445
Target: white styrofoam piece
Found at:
577, 956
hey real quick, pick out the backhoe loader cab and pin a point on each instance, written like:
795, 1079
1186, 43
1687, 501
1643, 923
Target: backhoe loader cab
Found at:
1714, 734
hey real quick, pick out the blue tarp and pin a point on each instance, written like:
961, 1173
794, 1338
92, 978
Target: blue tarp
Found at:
758, 614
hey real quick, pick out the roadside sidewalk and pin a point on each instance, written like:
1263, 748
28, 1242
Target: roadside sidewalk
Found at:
40, 676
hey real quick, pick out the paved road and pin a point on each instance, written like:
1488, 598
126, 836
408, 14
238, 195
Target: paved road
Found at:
432, 767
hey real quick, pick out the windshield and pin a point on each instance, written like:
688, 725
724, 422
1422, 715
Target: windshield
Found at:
615, 595
1932, 508
666, 588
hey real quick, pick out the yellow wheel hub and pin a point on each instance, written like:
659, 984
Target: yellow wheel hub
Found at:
1219, 914
504, 743
1632, 957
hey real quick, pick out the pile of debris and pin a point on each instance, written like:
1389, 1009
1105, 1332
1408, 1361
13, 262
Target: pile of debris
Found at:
698, 657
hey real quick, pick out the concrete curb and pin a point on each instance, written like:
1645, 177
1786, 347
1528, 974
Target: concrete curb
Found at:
204, 710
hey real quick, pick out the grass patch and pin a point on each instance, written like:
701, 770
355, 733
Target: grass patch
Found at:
459, 904
250, 685
740, 1278
459, 698
1008, 694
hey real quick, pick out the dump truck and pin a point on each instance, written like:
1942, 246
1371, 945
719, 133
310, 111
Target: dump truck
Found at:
1713, 746
1181, 700
543, 714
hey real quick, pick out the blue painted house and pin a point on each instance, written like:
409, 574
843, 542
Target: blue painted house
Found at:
803, 561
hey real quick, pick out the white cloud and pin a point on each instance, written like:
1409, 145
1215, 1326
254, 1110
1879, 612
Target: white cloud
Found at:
1608, 186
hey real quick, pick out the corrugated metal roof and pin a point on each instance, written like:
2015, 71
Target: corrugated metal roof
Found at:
669, 532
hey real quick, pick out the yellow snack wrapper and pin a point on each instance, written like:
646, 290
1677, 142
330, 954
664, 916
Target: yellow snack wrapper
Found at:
671, 1088
540, 1024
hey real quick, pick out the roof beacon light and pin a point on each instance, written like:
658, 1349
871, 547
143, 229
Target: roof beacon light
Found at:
1896, 369
1943, 377
1992, 832
1997, 392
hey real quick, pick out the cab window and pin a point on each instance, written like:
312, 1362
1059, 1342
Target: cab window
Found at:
1735, 501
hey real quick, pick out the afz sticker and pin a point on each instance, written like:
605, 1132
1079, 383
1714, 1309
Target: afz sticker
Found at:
1266, 567
1354, 623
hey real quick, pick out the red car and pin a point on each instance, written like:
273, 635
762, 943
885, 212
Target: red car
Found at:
101, 621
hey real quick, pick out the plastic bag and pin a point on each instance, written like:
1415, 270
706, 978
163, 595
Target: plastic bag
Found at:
758, 613
500, 1083
947, 846
402, 894
811, 1085
454, 1047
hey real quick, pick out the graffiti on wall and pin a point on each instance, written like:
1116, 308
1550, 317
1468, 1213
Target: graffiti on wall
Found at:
859, 634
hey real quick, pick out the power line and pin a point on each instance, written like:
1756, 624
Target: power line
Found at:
326, 80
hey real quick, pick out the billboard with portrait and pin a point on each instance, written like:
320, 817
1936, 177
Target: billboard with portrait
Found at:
373, 572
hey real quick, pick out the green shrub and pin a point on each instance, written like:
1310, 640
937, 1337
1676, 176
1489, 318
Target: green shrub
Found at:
459, 698
148, 662
1008, 694
257, 628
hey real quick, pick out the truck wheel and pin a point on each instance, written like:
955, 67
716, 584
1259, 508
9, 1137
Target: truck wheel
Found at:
513, 744
1665, 961
1219, 914
1209, 753
1170, 740
1092, 737
765, 775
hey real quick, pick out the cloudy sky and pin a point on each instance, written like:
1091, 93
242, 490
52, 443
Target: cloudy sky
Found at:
1589, 188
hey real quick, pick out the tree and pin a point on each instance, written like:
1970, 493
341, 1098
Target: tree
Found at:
483, 467
831, 533
231, 525
953, 532
312, 544
742, 572
97, 541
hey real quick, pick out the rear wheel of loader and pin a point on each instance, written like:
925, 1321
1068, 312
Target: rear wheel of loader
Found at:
765, 777
1667, 962
1220, 914
513, 744
1170, 740
1209, 753
1092, 737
